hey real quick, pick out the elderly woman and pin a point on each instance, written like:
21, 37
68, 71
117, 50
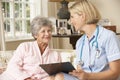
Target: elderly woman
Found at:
24, 65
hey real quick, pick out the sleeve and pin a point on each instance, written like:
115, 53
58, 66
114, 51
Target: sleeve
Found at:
112, 47
16, 63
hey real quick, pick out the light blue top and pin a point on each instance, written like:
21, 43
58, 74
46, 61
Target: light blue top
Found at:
108, 46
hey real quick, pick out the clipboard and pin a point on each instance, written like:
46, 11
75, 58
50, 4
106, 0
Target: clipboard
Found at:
55, 68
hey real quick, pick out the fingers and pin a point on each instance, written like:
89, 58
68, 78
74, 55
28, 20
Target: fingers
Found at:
79, 67
59, 76
74, 73
79, 73
79, 70
29, 78
50, 78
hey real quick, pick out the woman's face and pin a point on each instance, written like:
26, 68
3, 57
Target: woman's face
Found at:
77, 20
44, 35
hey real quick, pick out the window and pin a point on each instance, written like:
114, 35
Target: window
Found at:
17, 15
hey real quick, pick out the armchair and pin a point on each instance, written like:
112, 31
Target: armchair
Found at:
66, 55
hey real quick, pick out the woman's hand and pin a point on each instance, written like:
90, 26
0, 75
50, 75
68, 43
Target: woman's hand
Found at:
80, 74
29, 78
50, 78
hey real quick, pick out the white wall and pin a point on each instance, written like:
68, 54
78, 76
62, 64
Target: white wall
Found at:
109, 9
12, 45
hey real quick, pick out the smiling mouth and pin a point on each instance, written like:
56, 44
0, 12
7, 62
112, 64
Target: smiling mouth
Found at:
47, 38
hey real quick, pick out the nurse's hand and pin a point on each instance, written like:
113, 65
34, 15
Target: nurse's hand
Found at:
80, 74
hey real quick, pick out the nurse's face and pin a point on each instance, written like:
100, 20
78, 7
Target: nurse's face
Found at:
77, 20
44, 35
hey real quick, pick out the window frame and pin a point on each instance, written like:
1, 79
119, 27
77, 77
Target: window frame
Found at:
35, 9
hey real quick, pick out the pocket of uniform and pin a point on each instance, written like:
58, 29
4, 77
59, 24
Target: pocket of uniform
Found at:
101, 60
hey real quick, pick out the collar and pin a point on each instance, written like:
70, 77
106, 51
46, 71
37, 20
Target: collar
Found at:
46, 52
94, 35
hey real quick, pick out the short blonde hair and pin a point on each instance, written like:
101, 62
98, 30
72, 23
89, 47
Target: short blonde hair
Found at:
86, 7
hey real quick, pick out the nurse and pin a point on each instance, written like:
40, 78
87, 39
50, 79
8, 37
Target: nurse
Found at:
98, 50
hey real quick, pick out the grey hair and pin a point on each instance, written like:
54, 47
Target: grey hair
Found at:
39, 22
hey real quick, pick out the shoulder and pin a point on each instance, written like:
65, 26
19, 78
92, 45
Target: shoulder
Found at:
24, 48
106, 34
26, 45
108, 38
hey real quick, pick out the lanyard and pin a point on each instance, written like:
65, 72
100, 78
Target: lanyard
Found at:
95, 41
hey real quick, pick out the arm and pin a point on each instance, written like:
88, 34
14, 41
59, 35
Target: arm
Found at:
15, 66
112, 49
111, 74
